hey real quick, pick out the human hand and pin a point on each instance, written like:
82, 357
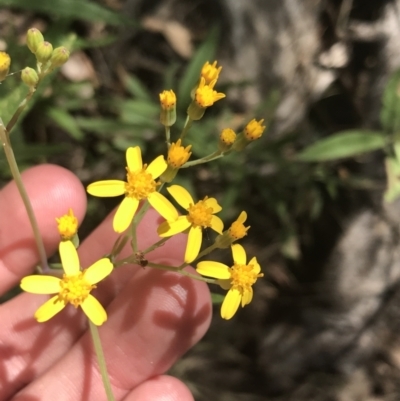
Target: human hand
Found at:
153, 317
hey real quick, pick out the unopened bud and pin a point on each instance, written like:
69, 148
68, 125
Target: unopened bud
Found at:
168, 108
226, 139
33, 39
5, 62
43, 52
59, 57
29, 77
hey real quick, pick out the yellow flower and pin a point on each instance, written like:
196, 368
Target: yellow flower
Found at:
210, 72
73, 288
5, 62
67, 225
226, 139
200, 215
254, 129
140, 184
178, 155
238, 279
205, 95
236, 231
167, 99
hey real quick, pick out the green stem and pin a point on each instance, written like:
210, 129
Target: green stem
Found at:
5, 139
186, 128
156, 245
183, 272
213, 156
101, 360
168, 135
19, 110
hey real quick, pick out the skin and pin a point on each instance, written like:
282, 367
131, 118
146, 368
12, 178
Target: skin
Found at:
153, 317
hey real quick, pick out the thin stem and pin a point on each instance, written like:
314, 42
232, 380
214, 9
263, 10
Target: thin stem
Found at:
101, 360
183, 272
186, 128
19, 110
24, 195
156, 245
213, 156
168, 135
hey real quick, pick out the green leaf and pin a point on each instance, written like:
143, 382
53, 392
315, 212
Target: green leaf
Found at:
390, 113
9, 103
141, 113
217, 299
393, 179
136, 87
65, 121
71, 9
343, 144
206, 52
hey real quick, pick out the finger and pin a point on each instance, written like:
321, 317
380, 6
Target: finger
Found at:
52, 191
154, 319
160, 388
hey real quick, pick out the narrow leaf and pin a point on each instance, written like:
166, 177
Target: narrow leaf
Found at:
343, 144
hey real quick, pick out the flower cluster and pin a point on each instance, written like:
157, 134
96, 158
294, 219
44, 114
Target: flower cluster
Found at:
144, 183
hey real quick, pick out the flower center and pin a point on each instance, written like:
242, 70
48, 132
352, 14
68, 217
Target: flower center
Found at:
237, 230
74, 289
205, 96
178, 155
67, 225
243, 277
140, 184
200, 214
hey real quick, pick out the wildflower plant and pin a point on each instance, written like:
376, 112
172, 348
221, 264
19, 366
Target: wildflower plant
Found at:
146, 185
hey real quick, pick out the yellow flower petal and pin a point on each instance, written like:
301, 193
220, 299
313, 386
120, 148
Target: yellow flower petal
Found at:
181, 195
49, 309
157, 167
163, 206
213, 269
106, 188
94, 310
69, 258
98, 271
167, 229
242, 217
194, 243
134, 159
41, 284
247, 296
124, 215
213, 204
217, 224
256, 266
238, 254
230, 304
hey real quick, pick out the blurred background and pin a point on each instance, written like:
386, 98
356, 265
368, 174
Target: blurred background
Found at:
324, 215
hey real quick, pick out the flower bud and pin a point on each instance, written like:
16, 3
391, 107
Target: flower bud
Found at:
29, 77
5, 62
168, 108
253, 130
44, 52
33, 39
226, 139
59, 57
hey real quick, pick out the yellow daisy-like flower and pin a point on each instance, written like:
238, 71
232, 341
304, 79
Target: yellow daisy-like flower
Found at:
236, 231
205, 95
254, 129
200, 215
5, 62
238, 279
74, 288
210, 72
67, 225
140, 184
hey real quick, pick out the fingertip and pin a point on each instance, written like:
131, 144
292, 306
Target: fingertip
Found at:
161, 388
